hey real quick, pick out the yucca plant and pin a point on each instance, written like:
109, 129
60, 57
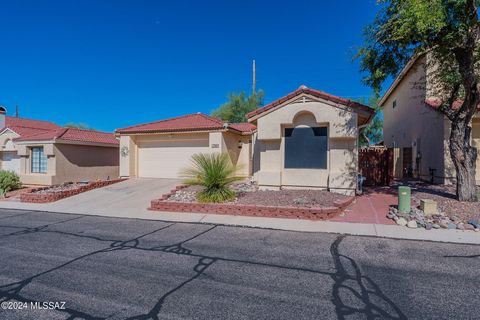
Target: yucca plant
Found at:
215, 173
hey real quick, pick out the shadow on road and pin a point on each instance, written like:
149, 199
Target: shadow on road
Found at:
352, 292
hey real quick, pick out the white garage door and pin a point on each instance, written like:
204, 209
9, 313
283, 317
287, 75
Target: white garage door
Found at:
10, 161
166, 159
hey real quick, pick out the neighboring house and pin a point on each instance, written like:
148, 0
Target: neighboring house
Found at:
417, 132
308, 139
163, 149
43, 153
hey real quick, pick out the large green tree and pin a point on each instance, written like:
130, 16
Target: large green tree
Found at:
237, 106
448, 31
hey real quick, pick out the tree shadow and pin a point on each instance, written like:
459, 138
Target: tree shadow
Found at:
370, 301
356, 294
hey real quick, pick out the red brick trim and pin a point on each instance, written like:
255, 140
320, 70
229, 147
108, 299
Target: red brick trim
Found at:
322, 213
33, 196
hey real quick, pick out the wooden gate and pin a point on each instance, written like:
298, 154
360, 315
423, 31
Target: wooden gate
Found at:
376, 165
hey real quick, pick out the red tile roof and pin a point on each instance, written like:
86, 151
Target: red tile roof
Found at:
30, 123
74, 135
39, 130
243, 127
313, 92
189, 122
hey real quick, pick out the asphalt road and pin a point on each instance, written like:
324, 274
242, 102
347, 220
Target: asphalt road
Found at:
126, 268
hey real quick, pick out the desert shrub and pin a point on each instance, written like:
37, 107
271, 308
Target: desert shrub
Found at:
215, 173
9, 181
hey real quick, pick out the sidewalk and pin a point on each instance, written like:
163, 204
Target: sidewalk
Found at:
367, 222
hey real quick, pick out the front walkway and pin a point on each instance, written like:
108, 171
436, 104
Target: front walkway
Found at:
372, 207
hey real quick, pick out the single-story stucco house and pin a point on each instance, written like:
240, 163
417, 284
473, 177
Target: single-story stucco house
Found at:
43, 153
162, 149
307, 139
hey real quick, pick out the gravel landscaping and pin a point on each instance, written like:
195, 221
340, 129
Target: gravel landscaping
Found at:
247, 194
452, 214
58, 188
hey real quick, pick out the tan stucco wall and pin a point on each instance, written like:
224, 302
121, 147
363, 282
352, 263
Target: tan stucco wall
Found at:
79, 162
69, 163
218, 141
341, 171
26, 176
412, 124
239, 149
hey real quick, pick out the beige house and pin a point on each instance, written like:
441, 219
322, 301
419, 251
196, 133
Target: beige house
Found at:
162, 149
43, 153
308, 139
418, 133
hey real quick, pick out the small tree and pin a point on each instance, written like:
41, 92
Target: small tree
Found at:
449, 31
237, 106
9, 181
82, 126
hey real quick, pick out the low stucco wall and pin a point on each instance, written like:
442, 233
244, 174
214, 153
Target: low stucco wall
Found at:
79, 162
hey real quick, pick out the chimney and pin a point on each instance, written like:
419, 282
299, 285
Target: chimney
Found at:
3, 112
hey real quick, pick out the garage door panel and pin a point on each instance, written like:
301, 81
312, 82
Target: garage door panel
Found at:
167, 159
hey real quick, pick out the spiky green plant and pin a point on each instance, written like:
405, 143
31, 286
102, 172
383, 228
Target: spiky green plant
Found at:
215, 173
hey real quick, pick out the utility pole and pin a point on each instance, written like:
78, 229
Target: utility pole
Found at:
16, 111
254, 84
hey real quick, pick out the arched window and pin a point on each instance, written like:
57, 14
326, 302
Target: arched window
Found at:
306, 148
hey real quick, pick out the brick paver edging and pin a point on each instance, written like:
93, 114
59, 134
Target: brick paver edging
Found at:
321, 213
34, 197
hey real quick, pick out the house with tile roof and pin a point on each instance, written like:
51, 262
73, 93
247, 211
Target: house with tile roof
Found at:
417, 133
307, 139
162, 149
43, 153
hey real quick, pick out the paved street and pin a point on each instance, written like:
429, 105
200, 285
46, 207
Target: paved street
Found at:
139, 269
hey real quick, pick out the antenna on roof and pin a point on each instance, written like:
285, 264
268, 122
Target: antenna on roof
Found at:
16, 111
254, 76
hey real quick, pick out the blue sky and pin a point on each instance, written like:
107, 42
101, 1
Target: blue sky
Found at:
112, 64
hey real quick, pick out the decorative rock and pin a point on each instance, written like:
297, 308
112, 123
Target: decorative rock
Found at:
390, 215
429, 226
402, 222
300, 201
428, 206
474, 223
476, 229
412, 224
452, 226
469, 227
444, 224
435, 226
460, 226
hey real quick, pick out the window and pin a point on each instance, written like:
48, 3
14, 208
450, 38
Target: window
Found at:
306, 148
394, 104
39, 160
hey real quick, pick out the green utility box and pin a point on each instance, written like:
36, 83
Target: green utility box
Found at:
404, 195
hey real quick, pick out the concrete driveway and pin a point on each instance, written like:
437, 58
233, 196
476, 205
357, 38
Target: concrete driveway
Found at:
124, 199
